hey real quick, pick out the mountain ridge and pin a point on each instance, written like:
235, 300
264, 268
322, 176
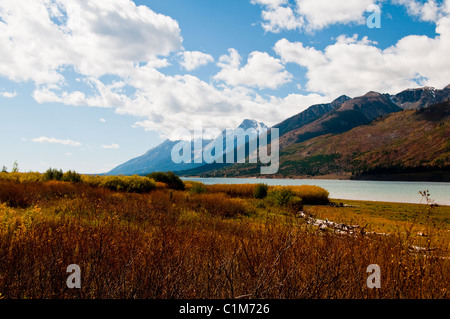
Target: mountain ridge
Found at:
159, 158
337, 117
414, 142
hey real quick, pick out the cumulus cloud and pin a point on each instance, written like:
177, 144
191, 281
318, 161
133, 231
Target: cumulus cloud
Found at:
41, 40
428, 11
281, 18
111, 147
51, 140
261, 71
322, 13
296, 53
8, 95
191, 60
311, 14
40, 37
354, 66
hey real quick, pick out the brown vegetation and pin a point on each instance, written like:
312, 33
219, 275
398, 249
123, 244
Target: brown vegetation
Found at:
178, 244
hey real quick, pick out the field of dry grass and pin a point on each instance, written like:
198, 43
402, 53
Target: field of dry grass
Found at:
216, 242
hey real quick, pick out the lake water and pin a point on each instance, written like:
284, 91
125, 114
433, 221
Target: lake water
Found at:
385, 191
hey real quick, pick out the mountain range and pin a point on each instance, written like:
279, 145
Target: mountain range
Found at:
357, 137
159, 158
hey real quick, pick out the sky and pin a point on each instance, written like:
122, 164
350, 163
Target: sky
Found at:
87, 85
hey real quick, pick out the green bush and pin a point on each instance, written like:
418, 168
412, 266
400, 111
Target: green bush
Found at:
261, 191
310, 194
31, 177
72, 177
281, 196
138, 184
131, 184
295, 203
313, 195
113, 183
53, 174
198, 188
285, 197
92, 180
169, 178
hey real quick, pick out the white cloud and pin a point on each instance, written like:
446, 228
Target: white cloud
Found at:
355, 66
322, 13
42, 39
166, 103
39, 38
311, 14
117, 37
281, 18
102, 120
112, 146
191, 60
270, 3
261, 71
428, 11
296, 53
9, 95
51, 140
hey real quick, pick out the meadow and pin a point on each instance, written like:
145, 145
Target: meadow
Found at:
137, 238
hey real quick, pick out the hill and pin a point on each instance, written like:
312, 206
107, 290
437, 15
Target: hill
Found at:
310, 115
414, 144
352, 113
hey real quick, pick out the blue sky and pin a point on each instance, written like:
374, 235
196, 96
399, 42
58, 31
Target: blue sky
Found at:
87, 86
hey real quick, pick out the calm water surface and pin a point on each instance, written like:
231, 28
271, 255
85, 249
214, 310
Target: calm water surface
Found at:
402, 192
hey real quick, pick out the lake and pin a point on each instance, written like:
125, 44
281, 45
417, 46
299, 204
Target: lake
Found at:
385, 191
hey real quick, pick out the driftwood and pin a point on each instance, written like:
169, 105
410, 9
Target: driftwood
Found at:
356, 229
326, 224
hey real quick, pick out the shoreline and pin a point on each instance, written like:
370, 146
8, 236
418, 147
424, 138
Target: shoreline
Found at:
358, 190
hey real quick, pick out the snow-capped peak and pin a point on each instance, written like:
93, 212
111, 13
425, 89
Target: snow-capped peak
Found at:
259, 126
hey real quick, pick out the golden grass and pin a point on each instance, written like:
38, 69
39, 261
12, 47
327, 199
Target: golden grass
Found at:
175, 244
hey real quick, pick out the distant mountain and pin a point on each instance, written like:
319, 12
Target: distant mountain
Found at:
311, 114
408, 139
247, 130
156, 159
352, 113
329, 123
159, 158
409, 145
421, 97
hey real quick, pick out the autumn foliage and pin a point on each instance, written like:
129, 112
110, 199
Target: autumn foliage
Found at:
179, 244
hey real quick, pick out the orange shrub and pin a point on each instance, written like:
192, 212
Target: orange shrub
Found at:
234, 190
136, 246
219, 204
160, 185
310, 194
